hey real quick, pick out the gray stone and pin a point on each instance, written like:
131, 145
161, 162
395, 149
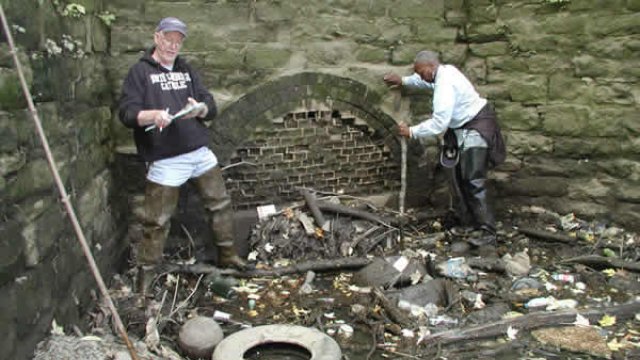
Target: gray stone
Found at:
126, 38
418, 9
11, 96
535, 186
626, 214
621, 168
381, 272
8, 317
260, 57
371, 54
564, 86
199, 336
627, 191
11, 250
577, 148
482, 11
12, 162
8, 133
496, 48
34, 177
523, 143
440, 292
589, 66
528, 89
517, 117
561, 119
589, 189
610, 25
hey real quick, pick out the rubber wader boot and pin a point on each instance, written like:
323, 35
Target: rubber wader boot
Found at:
159, 204
473, 172
464, 218
218, 206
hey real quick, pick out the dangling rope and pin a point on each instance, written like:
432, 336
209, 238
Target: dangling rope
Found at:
63, 193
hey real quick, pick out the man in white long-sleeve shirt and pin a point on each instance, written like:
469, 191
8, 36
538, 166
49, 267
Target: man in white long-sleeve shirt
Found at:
472, 133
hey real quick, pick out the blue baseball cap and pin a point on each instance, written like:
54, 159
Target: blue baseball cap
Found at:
172, 24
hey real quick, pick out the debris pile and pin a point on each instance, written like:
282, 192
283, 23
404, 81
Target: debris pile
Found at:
554, 285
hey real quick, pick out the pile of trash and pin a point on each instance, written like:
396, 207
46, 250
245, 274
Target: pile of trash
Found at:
554, 286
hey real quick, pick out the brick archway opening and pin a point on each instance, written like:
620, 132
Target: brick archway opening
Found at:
308, 130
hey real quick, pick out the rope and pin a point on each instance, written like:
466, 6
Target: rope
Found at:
63, 193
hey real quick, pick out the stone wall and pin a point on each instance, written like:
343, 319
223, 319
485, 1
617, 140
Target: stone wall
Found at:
43, 274
560, 73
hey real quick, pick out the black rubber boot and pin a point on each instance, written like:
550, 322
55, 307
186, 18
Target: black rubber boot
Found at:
473, 173
218, 206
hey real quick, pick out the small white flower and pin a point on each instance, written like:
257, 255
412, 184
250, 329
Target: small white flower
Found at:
511, 333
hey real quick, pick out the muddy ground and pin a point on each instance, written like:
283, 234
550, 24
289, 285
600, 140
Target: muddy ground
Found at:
493, 288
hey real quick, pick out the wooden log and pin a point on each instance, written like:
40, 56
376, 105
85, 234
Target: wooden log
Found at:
548, 235
529, 322
601, 262
312, 204
341, 264
349, 211
392, 311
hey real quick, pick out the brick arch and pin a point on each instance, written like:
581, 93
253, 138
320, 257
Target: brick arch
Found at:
306, 130
279, 96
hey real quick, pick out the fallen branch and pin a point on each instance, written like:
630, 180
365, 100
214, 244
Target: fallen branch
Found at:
349, 211
529, 322
548, 235
601, 262
312, 204
349, 263
394, 313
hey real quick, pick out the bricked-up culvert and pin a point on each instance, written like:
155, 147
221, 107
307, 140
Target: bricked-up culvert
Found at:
327, 150
307, 130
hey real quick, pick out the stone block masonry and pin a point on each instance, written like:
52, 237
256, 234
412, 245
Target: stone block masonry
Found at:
327, 150
563, 76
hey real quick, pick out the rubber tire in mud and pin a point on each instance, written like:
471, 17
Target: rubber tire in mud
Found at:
320, 345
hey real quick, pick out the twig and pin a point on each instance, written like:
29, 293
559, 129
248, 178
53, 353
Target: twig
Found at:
359, 238
63, 193
394, 313
175, 294
528, 322
401, 354
193, 243
186, 301
238, 164
316, 266
603, 262
374, 343
548, 235
346, 210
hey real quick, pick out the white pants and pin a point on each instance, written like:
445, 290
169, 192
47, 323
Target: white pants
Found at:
177, 170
